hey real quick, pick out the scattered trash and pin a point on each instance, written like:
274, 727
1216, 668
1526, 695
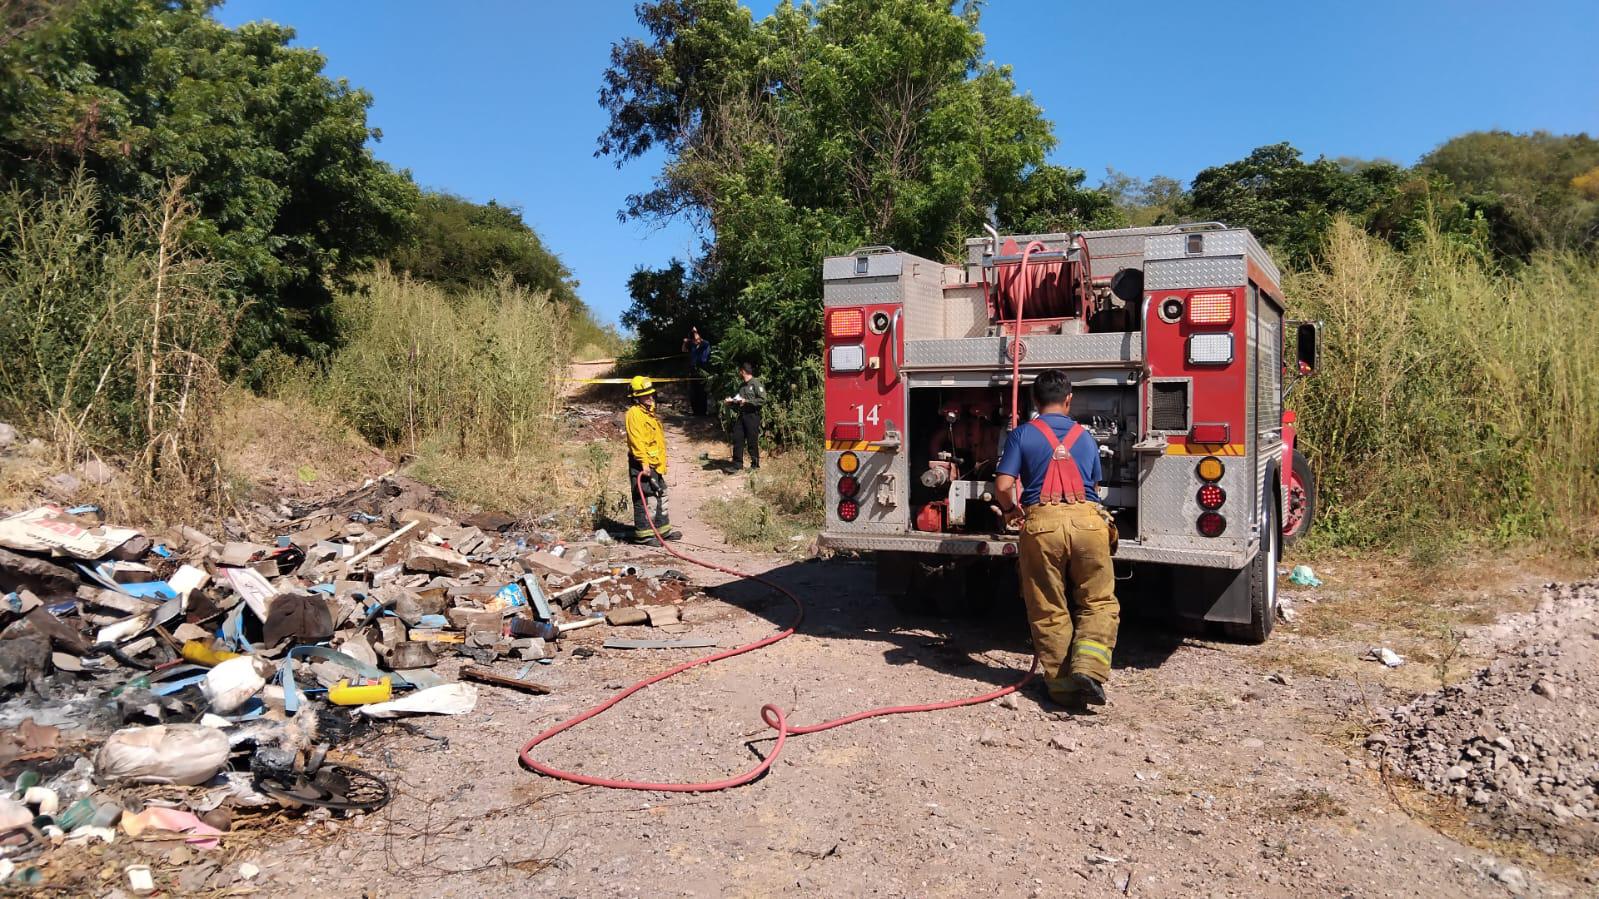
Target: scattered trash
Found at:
447, 699
1303, 576
211, 663
1386, 656
692, 643
186, 754
488, 677
140, 880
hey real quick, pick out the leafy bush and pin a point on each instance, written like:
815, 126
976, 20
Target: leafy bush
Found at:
1454, 397
110, 338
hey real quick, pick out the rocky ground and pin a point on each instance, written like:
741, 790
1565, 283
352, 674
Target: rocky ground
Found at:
1518, 741
1216, 769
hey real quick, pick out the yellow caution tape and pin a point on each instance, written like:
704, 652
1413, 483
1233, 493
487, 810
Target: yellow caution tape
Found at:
625, 380
645, 359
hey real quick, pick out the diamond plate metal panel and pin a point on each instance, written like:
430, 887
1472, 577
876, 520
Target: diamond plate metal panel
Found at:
835, 268
1168, 505
1196, 271
925, 308
953, 545
1262, 258
1174, 245
1052, 349
965, 313
862, 291
875, 517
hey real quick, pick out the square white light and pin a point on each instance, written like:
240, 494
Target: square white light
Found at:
847, 357
1210, 349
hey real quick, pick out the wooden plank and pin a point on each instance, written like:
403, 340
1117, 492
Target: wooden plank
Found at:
690, 643
482, 675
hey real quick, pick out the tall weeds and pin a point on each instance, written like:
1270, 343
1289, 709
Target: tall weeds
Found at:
464, 386
1454, 399
481, 369
109, 340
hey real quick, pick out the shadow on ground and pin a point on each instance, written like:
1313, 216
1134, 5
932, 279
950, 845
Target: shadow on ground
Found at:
841, 604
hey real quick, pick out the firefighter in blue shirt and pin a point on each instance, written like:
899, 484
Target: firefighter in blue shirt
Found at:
699, 368
1048, 478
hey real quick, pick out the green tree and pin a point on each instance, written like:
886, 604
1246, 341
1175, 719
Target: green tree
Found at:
1524, 186
1287, 202
1156, 201
287, 194
459, 245
809, 132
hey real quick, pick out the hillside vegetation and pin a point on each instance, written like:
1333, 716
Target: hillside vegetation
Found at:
184, 205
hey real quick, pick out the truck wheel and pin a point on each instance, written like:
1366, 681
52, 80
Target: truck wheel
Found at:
1262, 588
1299, 493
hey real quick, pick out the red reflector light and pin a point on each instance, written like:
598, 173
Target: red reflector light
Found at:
1208, 434
848, 510
1210, 309
846, 323
1211, 524
982, 549
848, 487
1211, 497
1010, 549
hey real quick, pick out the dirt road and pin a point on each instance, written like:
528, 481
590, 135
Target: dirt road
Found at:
1217, 769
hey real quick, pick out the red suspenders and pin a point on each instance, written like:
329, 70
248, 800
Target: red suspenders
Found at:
1063, 482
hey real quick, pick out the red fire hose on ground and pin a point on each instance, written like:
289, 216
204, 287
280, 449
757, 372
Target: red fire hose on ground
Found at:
771, 714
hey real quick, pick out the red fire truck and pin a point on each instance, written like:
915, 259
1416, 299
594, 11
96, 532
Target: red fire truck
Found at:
1175, 340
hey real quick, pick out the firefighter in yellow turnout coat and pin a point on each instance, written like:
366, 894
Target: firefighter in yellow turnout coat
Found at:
646, 465
1048, 477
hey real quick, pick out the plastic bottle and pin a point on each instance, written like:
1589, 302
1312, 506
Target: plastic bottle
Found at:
204, 652
363, 693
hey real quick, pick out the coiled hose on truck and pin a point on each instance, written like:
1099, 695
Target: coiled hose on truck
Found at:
771, 714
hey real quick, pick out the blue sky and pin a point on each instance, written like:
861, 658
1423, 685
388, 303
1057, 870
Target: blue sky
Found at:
496, 99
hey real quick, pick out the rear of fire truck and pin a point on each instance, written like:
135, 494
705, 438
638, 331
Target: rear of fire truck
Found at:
1174, 341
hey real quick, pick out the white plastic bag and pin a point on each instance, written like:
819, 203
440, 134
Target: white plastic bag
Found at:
186, 754
232, 682
446, 699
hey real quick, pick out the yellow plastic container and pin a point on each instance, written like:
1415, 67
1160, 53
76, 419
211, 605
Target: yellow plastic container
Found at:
346, 693
204, 652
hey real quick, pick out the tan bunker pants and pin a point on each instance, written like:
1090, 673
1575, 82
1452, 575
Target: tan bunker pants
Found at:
1061, 541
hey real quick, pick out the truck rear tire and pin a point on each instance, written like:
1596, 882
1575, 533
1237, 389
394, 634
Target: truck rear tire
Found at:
1262, 585
1299, 510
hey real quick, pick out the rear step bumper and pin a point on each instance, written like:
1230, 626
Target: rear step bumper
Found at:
980, 547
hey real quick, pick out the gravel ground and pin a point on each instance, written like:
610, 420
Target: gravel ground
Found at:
1518, 741
1216, 770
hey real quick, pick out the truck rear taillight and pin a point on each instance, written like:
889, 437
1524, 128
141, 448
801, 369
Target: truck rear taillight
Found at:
848, 487
849, 463
1210, 469
1211, 497
848, 510
846, 323
1210, 309
1211, 524
1210, 349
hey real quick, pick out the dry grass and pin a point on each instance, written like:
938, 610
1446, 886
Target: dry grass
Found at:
1307, 803
109, 342
1456, 402
784, 502
292, 447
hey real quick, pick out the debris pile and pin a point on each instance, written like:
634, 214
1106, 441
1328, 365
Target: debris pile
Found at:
164, 682
1519, 740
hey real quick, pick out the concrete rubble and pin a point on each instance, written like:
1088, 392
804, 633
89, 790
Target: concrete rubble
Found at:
1517, 742
194, 675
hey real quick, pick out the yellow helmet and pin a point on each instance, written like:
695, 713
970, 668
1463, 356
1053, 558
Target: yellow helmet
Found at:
642, 386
